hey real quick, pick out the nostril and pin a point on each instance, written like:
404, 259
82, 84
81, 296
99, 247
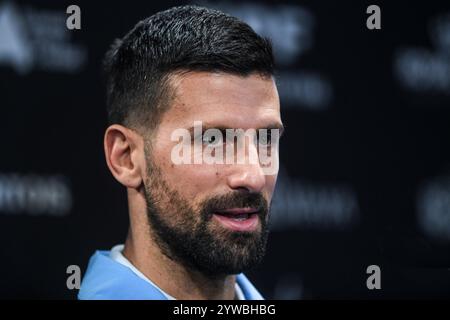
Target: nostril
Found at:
242, 189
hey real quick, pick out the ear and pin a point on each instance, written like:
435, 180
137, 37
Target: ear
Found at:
124, 155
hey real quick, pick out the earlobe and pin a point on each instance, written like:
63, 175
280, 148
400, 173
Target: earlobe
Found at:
121, 148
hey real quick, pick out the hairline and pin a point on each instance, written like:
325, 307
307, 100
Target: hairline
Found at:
167, 94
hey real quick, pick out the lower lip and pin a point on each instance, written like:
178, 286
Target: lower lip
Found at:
249, 224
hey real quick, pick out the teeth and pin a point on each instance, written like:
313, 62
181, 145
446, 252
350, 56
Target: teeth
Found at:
241, 217
237, 217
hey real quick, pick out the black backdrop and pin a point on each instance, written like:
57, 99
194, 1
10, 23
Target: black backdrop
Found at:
365, 176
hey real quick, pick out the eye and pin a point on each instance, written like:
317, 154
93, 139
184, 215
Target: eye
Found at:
210, 139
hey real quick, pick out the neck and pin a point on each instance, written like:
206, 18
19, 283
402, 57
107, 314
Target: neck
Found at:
174, 278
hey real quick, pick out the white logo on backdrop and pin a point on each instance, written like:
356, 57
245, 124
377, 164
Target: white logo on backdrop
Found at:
433, 208
33, 38
291, 30
426, 70
35, 195
299, 203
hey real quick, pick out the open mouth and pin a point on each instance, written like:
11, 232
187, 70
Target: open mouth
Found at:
238, 219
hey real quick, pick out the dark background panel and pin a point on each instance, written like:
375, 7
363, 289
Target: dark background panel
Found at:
365, 160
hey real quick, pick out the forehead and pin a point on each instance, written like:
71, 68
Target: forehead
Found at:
224, 99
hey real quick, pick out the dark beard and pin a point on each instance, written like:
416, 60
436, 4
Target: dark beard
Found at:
187, 235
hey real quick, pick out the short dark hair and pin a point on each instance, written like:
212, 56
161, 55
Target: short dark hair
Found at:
186, 38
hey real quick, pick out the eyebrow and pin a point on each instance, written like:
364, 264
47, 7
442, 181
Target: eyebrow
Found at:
206, 126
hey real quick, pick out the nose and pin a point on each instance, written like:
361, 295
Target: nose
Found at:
249, 176
251, 181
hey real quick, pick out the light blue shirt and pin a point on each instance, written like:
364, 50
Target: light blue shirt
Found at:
116, 255
107, 279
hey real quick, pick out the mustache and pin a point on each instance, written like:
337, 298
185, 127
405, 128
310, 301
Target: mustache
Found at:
235, 199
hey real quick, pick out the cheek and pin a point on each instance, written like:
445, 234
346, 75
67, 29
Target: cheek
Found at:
193, 181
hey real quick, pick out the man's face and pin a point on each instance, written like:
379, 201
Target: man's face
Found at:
212, 217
